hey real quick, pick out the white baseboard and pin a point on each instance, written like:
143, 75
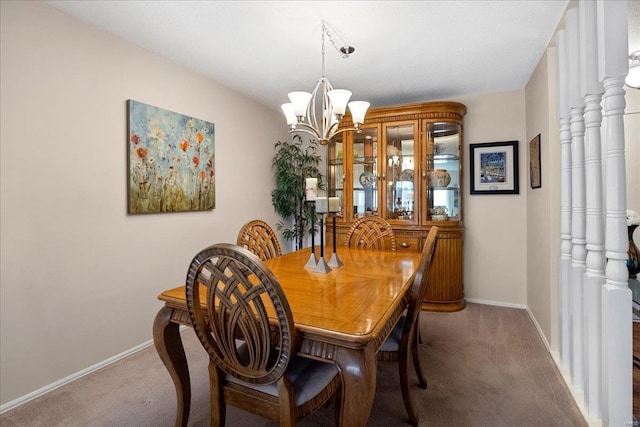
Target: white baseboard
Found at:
46, 389
578, 396
498, 303
520, 306
540, 332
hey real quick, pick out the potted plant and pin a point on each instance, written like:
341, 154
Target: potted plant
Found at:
293, 162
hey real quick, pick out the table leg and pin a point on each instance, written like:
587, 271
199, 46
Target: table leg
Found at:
358, 368
166, 337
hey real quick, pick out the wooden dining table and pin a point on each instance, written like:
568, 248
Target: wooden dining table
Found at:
342, 316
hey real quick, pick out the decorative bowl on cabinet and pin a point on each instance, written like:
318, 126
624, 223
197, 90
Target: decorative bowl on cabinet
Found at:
438, 178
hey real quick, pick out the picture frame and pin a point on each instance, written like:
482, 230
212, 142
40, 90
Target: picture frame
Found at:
171, 161
535, 171
494, 168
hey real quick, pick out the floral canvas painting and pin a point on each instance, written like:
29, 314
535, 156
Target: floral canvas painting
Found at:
171, 161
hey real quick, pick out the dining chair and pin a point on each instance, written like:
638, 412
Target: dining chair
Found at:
371, 232
405, 335
259, 238
250, 339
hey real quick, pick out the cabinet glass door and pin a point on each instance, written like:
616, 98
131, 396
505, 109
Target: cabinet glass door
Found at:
365, 172
336, 172
443, 171
400, 177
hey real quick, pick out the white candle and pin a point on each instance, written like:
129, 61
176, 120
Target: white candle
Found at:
311, 189
311, 183
334, 204
322, 204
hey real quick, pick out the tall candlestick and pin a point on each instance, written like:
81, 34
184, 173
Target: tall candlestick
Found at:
322, 266
335, 261
313, 261
334, 234
313, 231
321, 236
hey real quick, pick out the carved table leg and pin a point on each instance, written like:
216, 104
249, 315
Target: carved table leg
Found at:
358, 368
166, 337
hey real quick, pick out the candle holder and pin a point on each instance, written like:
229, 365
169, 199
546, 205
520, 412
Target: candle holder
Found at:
322, 266
313, 260
335, 261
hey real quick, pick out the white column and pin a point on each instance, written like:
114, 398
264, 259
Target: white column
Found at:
595, 262
616, 295
566, 343
578, 199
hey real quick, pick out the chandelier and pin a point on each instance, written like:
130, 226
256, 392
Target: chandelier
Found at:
302, 115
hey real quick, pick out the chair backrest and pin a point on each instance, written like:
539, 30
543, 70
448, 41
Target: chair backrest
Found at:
371, 232
237, 334
421, 277
259, 238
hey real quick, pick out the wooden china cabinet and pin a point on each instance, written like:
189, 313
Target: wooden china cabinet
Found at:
405, 166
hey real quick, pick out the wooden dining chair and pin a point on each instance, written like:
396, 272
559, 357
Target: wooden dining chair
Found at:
405, 335
259, 238
371, 232
250, 339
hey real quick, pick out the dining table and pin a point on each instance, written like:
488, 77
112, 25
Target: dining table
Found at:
342, 317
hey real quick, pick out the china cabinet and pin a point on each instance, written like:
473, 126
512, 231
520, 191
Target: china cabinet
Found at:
405, 166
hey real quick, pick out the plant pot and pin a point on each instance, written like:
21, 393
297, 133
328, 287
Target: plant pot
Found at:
438, 178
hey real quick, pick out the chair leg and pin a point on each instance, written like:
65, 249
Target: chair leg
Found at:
337, 401
422, 379
403, 362
288, 415
218, 405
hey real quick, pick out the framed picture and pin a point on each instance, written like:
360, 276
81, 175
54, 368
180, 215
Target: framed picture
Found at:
535, 173
171, 161
494, 168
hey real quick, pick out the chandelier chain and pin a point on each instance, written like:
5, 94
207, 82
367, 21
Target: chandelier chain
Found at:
324, 29
335, 45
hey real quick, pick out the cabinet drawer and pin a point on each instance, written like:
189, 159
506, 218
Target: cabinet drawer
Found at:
411, 244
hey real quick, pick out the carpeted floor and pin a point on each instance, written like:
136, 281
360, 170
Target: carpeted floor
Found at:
486, 366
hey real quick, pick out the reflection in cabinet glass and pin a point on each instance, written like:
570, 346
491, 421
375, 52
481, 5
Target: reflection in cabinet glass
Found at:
405, 166
336, 175
399, 178
365, 173
443, 170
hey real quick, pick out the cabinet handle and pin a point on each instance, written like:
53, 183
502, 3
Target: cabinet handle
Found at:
424, 174
405, 245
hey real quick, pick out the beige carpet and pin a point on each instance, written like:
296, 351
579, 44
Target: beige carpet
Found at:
486, 366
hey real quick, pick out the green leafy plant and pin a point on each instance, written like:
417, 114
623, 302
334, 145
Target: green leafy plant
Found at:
293, 163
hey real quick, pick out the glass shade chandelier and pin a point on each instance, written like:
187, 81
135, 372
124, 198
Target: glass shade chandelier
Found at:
633, 78
302, 112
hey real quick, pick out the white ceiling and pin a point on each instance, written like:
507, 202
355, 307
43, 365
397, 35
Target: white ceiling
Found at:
406, 51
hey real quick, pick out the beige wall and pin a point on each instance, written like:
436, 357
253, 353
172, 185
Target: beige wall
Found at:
79, 276
495, 242
543, 203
